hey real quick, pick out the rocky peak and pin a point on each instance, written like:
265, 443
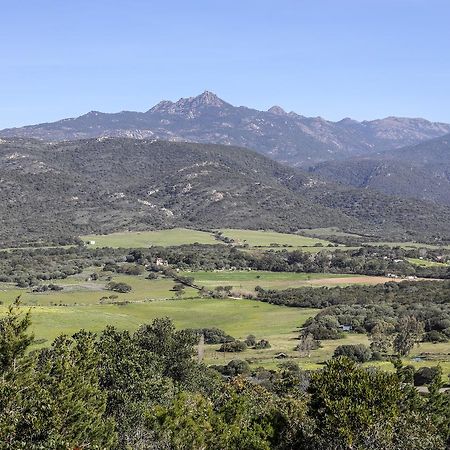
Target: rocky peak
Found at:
162, 106
189, 104
207, 98
278, 110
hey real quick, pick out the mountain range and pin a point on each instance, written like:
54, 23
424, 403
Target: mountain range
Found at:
288, 138
51, 191
421, 171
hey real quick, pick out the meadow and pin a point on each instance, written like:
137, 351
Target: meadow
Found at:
80, 305
144, 239
245, 280
180, 236
259, 238
86, 303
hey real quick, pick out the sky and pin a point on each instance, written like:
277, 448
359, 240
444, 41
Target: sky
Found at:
363, 59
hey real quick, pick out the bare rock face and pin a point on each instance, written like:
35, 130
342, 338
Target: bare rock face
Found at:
277, 110
286, 137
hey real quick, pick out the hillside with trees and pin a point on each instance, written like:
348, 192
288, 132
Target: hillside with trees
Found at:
55, 192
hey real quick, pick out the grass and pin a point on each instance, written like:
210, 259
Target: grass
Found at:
78, 291
327, 232
243, 280
426, 263
237, 317
153, 298
408, 245
143, 239
267, 238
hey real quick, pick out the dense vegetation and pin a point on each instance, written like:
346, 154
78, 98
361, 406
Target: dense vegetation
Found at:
53, 192
28, 267
366, 260
147, 390
391, 173
31, 266
372, 309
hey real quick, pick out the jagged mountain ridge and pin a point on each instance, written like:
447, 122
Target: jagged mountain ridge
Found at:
51, 190
286, 137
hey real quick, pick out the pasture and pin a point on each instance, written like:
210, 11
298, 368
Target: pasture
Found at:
262, 238
426, 263
244, 280
145, 239
180, 236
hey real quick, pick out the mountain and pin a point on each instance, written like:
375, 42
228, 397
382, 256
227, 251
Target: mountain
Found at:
286, 137
421, 171
57, 190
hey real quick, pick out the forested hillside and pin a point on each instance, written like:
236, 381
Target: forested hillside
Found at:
421, 171
56, 191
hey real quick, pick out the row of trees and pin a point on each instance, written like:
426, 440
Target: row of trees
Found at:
365, 260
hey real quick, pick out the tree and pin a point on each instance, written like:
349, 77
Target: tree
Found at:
355, 408
307, 344
118, 287
381, 337
54, 400
409, 332
14, 336
356, 352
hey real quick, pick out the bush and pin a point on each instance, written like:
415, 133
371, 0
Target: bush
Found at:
435, 336
356, 352
262, 344
233, 347
214, 335
118, 287
426, 375
236, 367
250, 340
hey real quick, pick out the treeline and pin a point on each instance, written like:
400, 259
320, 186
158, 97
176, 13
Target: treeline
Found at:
32, 266
366, 260
362, 308
147, 389
28, 267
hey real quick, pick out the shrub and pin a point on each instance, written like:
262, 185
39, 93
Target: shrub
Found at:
233, 347
426, 375
262, 344
250, 340
435, 336
214, 335
118, 287
356, 352
236, 367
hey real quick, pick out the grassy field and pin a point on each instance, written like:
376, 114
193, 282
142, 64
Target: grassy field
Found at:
237, 317
77, 291
408, 245
141, 239
327, 232
78, 306
178, 236
426, 263
244, 280
268, 238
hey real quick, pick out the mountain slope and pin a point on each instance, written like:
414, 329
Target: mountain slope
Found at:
103, 185
286, 137
421, 171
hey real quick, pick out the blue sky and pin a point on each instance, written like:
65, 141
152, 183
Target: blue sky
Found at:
334, 58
